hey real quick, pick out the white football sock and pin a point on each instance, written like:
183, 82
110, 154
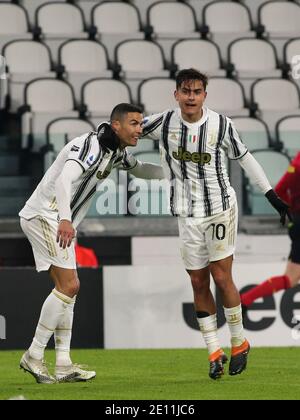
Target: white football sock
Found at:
53, 309
209, 330
234, 320
63, 336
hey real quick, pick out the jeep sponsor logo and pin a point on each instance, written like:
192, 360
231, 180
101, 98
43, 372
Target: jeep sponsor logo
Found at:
199, 158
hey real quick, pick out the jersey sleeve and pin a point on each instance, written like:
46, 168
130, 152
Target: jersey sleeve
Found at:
236, 149
84, 150
152, 126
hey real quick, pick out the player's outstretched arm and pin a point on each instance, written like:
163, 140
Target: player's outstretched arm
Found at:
258, 177
147, 171
63, 187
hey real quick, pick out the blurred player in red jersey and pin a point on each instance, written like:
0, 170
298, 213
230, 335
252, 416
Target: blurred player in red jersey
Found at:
288, 188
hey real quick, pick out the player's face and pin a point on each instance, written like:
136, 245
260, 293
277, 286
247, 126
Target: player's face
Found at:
190, 97
129, 129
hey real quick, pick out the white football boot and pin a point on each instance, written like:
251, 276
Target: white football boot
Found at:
73, 373
37, 369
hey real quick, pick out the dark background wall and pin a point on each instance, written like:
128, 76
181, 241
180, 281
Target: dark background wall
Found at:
22, 294
17, 252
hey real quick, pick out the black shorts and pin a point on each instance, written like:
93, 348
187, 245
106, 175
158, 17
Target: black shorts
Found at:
294, 232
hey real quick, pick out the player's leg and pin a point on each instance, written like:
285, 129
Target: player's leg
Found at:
290, 279
41, 235
67, 282
195, 259
222, 274
206, 313
221, 235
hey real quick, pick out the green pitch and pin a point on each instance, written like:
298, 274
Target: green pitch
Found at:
273, 373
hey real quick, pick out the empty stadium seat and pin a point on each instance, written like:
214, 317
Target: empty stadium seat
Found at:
172, 21
62, 130
26, 60
140, 60
288, 133
58, 22
292, 58
226, 96
59, 132
100, 96
45, 100
227, 21
254, 132
116, 22
14, 23
31, 7
276, 98
275, 165
84, 60
281, 21
189, 53
157, 95
253, 59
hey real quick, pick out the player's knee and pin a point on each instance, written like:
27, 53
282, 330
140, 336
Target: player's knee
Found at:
75, 287
200, 285
72, 287
223, 282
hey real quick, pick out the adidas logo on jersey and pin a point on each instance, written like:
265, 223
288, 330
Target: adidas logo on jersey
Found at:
201, 158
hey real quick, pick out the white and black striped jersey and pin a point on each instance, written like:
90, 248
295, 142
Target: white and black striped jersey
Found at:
96, 162
194, 158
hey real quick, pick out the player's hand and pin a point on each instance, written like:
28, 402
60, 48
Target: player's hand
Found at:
279, 205
65, 234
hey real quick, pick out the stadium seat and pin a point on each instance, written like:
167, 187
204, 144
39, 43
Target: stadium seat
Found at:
254, 132
26, 60
100, 96
83, 60
58, 22
227, 21
143, 6
116, 22
151, 196
157, 95
189, 53
281, 21
253, 59
226, 96
288, 133
62, 130
135, 69
32, 6
253, 6
87, 7
181, 25
292, 58
3, 83
275, 165
14, 23
276, 98
59, 132
45, 100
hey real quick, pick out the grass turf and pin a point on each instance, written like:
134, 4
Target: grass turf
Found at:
273, 373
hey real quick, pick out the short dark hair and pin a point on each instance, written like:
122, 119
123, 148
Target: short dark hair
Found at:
187, 75
121, 110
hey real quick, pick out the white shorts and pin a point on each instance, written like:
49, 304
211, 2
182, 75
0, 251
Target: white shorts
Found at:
42, 233
209, 239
